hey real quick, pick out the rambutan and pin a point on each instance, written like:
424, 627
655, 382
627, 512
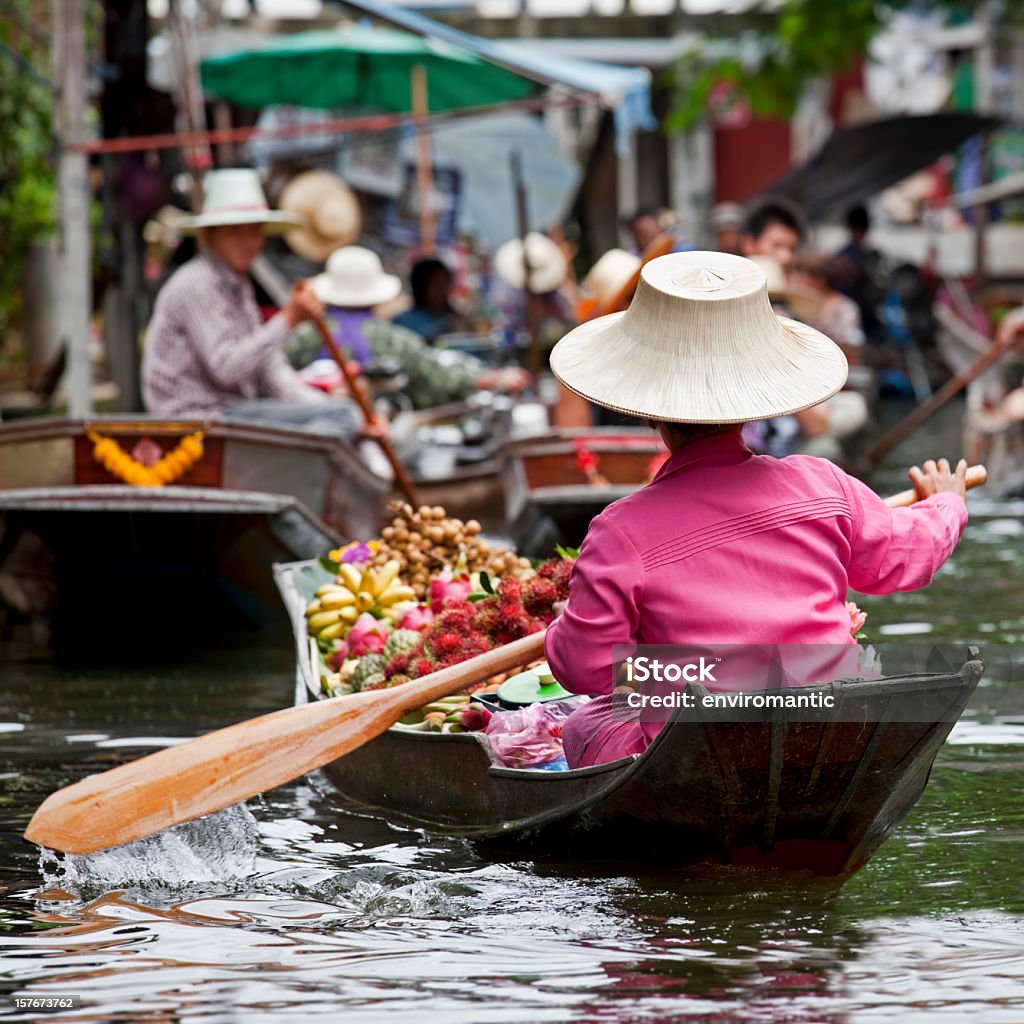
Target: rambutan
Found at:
452, 659
398, 665
512, 617
485, 618
560, 575
456, 617
478, 644
539, 595
510, 590
442, 644
422, 667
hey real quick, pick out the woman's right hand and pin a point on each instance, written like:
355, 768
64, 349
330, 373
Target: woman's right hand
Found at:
934, 478
302, 304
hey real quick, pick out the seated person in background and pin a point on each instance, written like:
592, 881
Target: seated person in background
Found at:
724, 547
726, 221
548, 304
353, 284
838, 315
775, 231
431, 313
820, 429
207, 352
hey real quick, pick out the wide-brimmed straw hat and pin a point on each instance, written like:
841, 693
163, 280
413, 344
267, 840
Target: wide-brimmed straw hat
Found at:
330, 209
235, 196
803, 303
355, 279
548, 265
610, 274
700, 344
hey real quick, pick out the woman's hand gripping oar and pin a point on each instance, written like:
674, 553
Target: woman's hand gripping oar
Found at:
225, 767
402, 478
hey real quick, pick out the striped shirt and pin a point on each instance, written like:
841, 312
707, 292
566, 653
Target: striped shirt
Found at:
206, 349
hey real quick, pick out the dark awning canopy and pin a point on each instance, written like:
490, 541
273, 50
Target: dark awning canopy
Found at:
859, 162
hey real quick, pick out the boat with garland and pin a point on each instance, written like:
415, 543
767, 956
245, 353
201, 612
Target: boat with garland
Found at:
94, 510
818, 796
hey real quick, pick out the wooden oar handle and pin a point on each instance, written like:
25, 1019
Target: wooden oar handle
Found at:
402, 478
976, 476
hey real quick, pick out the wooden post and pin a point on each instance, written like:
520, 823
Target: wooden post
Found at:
529, 299
75, 253
424, 167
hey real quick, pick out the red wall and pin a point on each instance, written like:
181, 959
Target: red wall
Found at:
749, 157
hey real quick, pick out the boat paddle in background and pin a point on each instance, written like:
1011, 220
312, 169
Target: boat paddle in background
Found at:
402, 478
225, 767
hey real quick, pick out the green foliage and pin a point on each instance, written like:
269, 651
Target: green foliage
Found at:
799, 41
27, 189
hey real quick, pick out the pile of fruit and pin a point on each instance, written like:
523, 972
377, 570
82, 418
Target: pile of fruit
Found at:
428, 594
425, 540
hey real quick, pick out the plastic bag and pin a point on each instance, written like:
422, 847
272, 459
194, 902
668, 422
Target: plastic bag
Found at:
530, 737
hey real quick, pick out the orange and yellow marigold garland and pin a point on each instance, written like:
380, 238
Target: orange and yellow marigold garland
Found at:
109, 454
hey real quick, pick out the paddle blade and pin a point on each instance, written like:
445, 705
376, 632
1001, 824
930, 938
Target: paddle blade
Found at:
233, 764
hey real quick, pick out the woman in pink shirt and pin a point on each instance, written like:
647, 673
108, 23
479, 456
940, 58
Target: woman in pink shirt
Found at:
724, 546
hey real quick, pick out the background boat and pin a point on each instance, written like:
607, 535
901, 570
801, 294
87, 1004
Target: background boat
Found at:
77, 539
555, 485
816, 795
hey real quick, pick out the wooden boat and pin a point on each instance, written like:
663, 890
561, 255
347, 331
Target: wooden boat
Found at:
554, 485
255, 495
817, 796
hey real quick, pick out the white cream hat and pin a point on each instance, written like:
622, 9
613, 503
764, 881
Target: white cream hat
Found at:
548, 265
803, 303
328, 206
235, 196
355, 279
610, 274
700, 344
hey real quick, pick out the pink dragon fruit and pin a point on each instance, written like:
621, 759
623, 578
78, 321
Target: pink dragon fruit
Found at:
448, 587
416, 618
367, 636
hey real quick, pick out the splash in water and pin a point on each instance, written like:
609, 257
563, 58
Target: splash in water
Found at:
221, 847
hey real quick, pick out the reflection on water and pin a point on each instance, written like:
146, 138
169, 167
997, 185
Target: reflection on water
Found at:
291, 909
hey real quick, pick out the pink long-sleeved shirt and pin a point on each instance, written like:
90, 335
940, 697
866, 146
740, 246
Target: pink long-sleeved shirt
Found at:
728, 547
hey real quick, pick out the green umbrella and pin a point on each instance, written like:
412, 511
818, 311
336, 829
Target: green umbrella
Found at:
370, 67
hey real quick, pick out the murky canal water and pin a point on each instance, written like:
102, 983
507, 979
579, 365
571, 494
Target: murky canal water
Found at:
293, 910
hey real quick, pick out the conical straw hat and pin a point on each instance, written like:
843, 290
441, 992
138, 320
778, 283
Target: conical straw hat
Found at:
548, 265
700, 344
328, 206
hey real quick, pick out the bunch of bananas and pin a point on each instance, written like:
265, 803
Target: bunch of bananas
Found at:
355, 591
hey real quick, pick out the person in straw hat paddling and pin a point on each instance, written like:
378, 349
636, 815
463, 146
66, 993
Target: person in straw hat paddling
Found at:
352, 287
723, 547
207, 352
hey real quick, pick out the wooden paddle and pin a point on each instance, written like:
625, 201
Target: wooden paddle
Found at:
222, 768
402, 478
233, 764
993, 353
